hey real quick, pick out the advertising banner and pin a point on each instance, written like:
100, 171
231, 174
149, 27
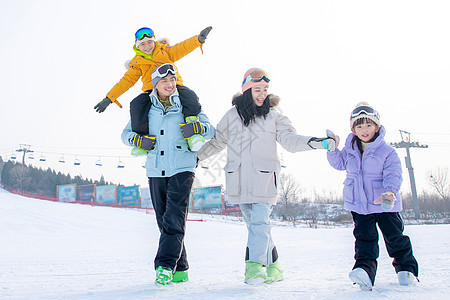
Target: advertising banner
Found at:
128, 196
208, 197
86, 193
66, 193
106, 194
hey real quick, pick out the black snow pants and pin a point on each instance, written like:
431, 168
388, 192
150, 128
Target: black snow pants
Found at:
170, 199
398, 245
140, 106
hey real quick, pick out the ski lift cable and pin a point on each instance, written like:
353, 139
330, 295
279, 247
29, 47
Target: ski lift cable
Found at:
86, 148
81, 155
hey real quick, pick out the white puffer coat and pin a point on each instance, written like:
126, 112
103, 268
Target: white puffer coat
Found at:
252, 162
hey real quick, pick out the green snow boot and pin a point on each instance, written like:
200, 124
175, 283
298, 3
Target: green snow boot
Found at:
254, 273
136, 151
163, 276
180, 276
274, 272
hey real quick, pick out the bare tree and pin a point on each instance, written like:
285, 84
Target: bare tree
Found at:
288, 188
438, 180
288, 195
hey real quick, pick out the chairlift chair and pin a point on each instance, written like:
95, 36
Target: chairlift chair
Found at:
76, 162
98, 162
120, 164
42, 158
13, 156
61, 159
31, 156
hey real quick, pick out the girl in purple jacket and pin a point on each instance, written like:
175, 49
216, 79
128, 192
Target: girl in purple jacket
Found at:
371, 194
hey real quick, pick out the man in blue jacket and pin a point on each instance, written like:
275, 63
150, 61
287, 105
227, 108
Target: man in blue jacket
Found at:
170, 170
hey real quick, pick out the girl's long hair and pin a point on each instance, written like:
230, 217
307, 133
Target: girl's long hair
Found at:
247, 109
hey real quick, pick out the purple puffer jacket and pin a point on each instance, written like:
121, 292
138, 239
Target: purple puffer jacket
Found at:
377, 172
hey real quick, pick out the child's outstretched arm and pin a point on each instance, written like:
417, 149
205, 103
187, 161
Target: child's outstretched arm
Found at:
336, 157
183, 48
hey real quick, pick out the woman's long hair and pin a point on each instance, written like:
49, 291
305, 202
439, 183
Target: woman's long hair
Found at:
247, 109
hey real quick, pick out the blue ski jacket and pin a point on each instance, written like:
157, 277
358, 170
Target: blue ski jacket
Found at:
171, 154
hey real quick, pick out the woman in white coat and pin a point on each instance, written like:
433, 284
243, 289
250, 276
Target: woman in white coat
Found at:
250, 131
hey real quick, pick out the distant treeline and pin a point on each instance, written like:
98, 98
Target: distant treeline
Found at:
38, 181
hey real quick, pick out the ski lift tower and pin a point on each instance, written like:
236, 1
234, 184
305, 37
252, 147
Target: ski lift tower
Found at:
25, 149
406, 143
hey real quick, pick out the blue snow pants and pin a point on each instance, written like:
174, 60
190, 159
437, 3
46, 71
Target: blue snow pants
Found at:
260, 247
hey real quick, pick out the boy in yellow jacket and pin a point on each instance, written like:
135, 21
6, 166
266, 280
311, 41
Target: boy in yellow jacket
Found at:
149, 55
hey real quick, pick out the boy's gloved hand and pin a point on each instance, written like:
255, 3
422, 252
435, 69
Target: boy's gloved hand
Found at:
102, 105
203, 34
189, 129
146, 142
387, 200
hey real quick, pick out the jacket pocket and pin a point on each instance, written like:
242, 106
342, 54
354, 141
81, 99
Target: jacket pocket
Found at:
264, 183
183, 158
233, 179
349, 188
377, 190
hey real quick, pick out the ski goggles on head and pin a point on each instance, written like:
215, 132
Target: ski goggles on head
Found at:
144, 31
364, 109
256, 76
164, 70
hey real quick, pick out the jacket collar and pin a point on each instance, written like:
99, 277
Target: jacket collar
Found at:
174, 99
378, 140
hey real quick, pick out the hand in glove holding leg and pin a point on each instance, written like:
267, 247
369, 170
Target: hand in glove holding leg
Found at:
142, 144
192, 131
146, 142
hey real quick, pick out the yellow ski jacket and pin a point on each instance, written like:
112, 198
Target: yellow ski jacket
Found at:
141, 67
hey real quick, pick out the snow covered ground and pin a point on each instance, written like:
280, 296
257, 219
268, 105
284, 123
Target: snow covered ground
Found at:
69, 251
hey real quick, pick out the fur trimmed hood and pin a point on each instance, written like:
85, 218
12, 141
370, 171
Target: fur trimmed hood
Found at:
274, 100
161, 41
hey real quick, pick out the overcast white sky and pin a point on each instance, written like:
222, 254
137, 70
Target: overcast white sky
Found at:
59, 58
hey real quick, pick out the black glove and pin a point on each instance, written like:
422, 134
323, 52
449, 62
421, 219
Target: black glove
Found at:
189, 129
102, 105
146, 142
203, 34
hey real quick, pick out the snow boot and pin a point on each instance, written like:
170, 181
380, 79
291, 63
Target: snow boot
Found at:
254, 273
196, 141
274, 272
163, 276
180, 276
405, 278
359, 276
136, 151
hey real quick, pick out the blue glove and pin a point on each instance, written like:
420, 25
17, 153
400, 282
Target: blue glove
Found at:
191, 128
146, 142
